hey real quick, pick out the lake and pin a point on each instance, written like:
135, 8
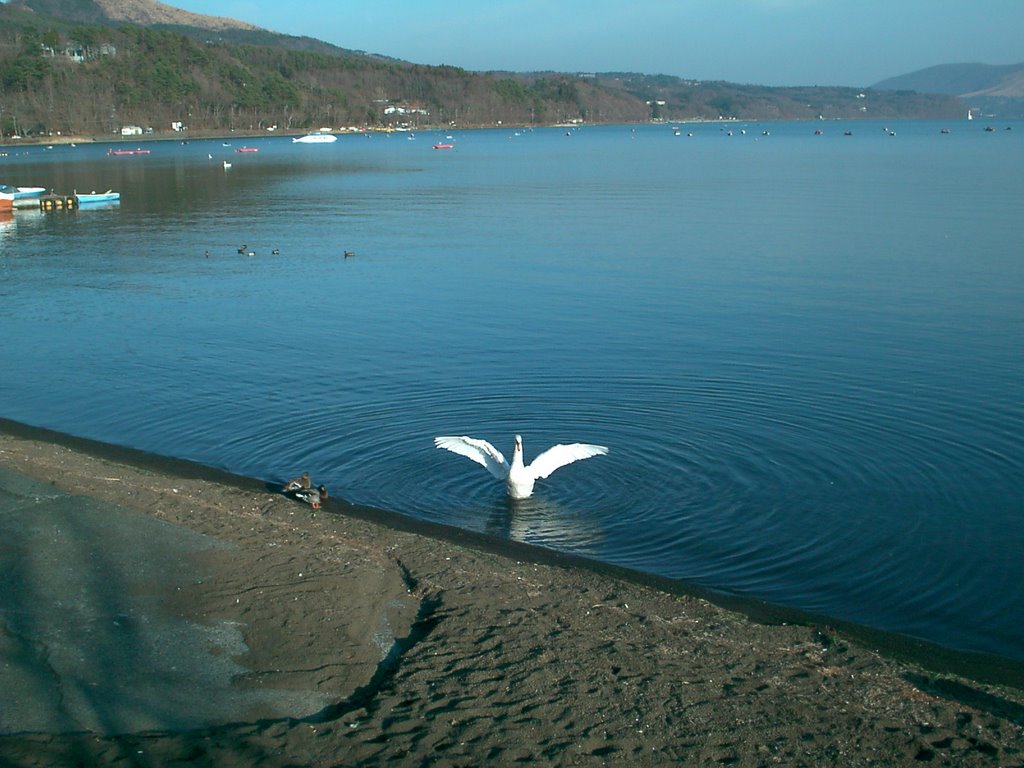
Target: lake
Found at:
803, 351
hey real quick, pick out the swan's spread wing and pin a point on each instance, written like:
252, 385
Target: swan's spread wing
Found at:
480, 451
560, 455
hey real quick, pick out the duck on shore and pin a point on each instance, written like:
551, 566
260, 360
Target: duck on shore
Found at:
301, 489
312, 496
300, 483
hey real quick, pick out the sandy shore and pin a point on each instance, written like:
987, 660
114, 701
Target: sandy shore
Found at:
346, 636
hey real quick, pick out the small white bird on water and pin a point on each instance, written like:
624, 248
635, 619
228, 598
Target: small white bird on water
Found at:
519, 479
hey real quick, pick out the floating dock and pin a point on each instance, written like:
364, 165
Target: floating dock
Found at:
53, 202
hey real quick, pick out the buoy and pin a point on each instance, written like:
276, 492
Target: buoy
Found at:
53, 202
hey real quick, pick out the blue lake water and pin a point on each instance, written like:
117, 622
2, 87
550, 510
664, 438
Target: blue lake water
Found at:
804, 352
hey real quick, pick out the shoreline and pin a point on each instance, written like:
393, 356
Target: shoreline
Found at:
503, 651
249, 133
982, 667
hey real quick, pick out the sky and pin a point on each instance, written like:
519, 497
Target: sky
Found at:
767, 42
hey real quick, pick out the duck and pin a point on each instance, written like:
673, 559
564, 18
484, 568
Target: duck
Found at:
312, 496
276, 252
243, 248
349, 254
299, 483
519, 477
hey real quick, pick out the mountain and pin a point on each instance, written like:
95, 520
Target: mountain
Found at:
156, 15
991, 89
961, 80
145, 13
91, 67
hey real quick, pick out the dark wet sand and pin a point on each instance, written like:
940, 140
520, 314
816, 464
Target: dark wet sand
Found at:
350, 636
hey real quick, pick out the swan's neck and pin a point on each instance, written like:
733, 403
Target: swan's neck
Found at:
517, 457
519, 481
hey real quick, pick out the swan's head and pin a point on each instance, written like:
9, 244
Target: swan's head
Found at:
519, 442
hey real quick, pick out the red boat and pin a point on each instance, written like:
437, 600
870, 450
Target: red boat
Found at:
247, 149
127, 151
444, 146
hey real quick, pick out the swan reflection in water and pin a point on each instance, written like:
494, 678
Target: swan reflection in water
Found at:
544, 523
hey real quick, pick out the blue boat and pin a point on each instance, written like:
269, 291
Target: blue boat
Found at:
24, 193
98, 197
24, 197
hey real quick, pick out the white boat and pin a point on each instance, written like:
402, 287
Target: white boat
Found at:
315, 138
27, 197
23, 192
13, 197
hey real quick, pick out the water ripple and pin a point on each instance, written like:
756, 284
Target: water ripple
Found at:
809, 394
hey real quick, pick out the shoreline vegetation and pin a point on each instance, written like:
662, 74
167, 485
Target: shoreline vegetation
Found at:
495, 651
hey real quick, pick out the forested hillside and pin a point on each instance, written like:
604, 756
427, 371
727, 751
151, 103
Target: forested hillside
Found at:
75, 78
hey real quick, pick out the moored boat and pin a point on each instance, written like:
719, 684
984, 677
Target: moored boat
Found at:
442, 145
21, 193
92, 198
315, 138
118, 152
247, 149
27, 197
17, 197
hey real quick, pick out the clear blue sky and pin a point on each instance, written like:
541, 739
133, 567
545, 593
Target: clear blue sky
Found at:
769, 42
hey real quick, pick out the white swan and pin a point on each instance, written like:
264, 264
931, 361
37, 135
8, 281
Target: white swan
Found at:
519, 479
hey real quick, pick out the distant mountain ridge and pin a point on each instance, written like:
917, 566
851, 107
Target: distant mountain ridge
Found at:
141, 12
157, 15
961, 80
149, 12
997, 89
